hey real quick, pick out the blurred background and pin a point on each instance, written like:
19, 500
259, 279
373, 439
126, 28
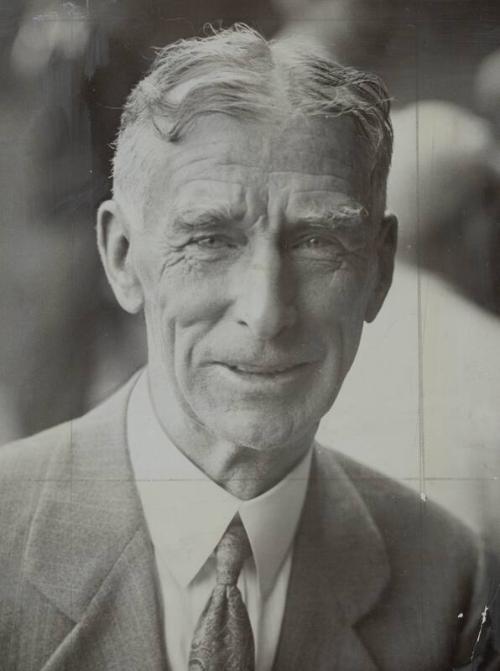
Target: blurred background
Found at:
422, 402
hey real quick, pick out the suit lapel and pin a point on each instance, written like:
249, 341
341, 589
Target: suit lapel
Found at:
339, 570
121, 628
89, 552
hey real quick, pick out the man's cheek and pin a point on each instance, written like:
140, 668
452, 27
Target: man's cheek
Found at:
197, 303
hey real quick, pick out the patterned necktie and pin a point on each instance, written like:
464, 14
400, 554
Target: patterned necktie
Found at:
223, 639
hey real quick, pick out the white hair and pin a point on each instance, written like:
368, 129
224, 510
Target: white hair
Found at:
238, 73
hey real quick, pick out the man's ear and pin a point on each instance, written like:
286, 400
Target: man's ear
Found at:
385, 251
113, 241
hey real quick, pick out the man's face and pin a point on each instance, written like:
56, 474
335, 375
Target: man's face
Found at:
257, 263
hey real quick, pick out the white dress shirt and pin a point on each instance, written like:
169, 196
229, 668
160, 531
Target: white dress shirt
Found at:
187, 514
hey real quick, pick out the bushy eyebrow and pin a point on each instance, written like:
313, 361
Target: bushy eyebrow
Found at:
343, 215
200, 217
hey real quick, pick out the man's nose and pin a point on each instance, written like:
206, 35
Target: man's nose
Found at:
264, 303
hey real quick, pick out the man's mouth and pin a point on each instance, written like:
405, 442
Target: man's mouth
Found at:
259, 370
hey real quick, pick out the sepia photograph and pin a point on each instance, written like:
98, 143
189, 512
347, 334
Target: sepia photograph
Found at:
250, 335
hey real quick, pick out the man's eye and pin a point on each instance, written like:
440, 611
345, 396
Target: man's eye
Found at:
313, 243
210, 242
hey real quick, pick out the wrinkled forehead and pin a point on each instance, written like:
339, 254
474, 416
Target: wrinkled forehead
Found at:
303, 163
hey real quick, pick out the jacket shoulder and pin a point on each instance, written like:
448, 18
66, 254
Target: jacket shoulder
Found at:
424, 542
437, 564
401, 512
50, 458
25, 465
27, 460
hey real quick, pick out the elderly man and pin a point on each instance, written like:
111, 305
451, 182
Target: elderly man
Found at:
191, 521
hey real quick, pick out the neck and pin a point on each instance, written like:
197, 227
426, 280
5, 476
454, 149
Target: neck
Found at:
245, 472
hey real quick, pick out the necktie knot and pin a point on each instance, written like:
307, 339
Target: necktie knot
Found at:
231, 552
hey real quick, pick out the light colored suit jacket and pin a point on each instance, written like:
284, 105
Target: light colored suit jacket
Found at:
378, 581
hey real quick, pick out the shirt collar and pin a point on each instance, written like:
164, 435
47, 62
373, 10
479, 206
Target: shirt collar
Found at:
187, 513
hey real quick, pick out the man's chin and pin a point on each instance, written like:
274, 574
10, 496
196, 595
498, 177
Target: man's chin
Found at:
260, 431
